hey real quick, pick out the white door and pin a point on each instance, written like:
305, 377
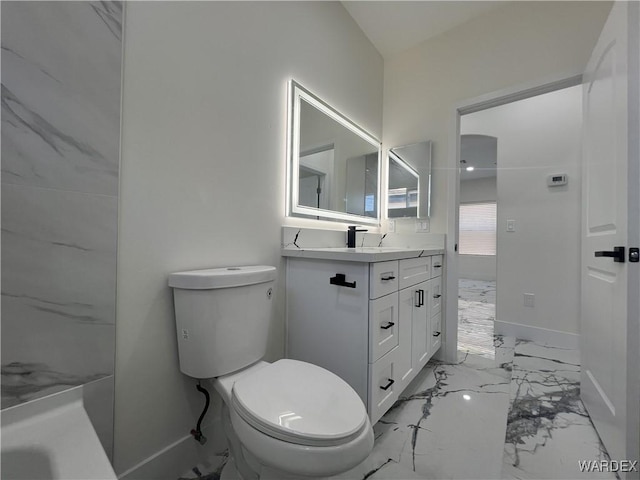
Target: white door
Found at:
605, 322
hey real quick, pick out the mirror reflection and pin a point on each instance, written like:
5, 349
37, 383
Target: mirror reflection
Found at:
403, 188
409, 186
334, 164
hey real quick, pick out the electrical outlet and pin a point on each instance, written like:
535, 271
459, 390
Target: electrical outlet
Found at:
529, 299
511, 225
421, 226
391, 226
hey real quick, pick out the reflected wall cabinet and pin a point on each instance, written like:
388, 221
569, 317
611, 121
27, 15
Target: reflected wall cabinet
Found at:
376, 331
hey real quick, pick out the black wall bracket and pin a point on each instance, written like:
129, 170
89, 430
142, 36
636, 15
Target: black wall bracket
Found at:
341, 280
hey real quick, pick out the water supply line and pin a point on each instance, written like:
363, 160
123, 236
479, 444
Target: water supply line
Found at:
197, 432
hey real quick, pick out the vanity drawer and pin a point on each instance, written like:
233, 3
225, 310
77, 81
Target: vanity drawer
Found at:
436, 266
383, 385
436, 295
436, 332
383, 278
383, 326
414, 271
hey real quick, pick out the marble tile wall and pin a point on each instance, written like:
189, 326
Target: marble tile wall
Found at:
61, 72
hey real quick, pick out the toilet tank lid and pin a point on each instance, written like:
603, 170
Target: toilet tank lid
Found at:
222, 277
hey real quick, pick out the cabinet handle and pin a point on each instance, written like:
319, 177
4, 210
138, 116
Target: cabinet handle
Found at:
437, 334
387, 326
386, 387
437, 296
386, 279
437, 266
417, 304
340, 280
421, 297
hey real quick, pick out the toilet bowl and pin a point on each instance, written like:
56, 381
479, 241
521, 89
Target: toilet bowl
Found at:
287, 419
296, 418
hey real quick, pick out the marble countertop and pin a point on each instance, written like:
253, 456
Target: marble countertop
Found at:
360, 254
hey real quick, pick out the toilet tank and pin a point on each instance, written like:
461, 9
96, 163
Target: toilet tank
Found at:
222, 318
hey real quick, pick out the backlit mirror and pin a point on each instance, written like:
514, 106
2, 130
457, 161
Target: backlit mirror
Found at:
409, 186
334, 169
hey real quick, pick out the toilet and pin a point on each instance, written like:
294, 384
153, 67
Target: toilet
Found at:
287, 419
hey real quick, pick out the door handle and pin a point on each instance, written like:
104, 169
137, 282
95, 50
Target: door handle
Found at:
617, 254
437, 296
387, 326
386, 279
437, 334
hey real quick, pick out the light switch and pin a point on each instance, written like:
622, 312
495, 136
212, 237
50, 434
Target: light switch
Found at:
529, 299
511, 225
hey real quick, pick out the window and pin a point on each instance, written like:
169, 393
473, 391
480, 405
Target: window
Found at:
478, 228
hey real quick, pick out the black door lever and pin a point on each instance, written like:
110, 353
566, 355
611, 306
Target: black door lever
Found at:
617, 254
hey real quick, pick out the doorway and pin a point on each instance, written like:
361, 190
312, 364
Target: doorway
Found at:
477, 243
519, 268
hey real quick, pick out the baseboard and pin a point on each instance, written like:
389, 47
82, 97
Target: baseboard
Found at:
176, 459
543, 336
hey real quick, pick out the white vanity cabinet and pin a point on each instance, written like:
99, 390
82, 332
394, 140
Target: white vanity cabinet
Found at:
373, 324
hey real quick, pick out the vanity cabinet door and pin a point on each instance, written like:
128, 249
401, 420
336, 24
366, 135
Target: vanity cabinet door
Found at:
436, 295
436, 332
384, 387
384, 325
420, 327
406, 301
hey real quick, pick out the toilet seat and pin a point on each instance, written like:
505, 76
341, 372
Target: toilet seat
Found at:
299, 403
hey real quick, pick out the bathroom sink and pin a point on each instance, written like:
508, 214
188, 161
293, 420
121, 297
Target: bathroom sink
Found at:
52, 438
359, 254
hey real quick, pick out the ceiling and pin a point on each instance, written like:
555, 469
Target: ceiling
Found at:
479, 152
395, 26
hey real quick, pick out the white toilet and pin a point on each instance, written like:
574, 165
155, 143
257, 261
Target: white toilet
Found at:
287, 419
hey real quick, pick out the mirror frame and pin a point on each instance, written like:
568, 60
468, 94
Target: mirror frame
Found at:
295, 94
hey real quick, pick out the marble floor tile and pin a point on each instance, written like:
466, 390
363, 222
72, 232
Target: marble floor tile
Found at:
449, 413
548, 429
515, 415
476, 315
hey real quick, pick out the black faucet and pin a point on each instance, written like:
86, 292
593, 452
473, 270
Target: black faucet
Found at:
351, 236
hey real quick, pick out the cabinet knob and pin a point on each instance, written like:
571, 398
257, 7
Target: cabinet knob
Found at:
437, 296
387, 326
437, 334
386, 279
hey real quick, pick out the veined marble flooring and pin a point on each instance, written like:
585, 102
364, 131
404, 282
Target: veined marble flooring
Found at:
476, 315
515, 416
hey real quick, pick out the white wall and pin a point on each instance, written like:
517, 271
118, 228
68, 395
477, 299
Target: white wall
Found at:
537, 137
478, 190
203, 172
508, 46
477, 267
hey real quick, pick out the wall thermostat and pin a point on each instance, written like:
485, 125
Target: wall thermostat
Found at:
557, 179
